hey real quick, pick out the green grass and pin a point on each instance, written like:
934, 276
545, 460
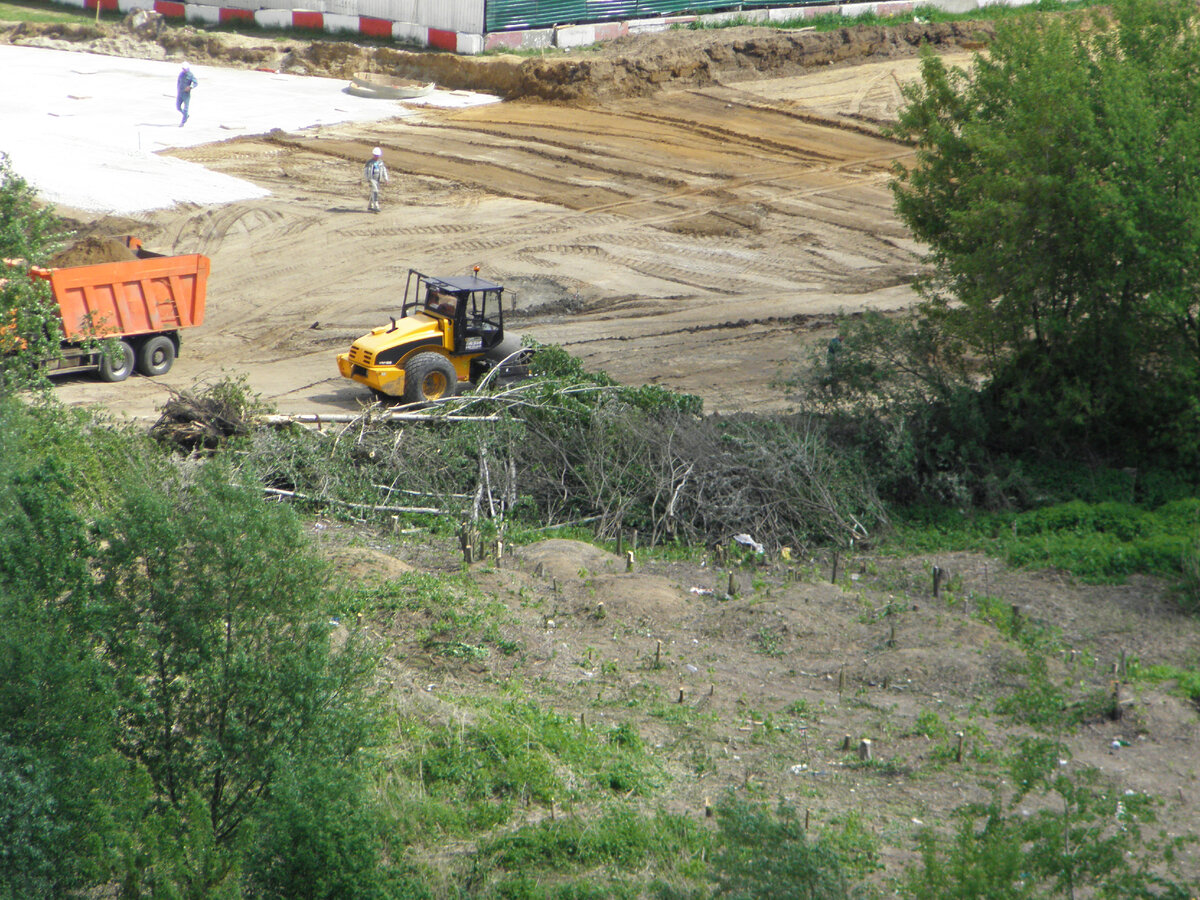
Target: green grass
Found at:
1099, 543
513, 751
448, 614
1187, 681
621, 837
41, 13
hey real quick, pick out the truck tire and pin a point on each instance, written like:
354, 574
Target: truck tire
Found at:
429, 376
156, 356
121, 367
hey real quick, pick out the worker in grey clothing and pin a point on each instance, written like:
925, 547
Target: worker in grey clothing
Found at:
373, 173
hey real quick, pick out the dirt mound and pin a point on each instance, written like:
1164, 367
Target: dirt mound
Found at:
634, 66
92, 251
365, 565
570, 560
645, 64
638, 598
642, 65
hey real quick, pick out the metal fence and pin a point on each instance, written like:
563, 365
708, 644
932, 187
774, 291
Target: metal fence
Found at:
502, 15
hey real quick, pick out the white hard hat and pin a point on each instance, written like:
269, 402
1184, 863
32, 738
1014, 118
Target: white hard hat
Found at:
186, 66
377, 152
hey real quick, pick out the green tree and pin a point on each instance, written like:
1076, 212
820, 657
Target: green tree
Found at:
1064, 244
63, 789
211, 616
318, 837
30, 330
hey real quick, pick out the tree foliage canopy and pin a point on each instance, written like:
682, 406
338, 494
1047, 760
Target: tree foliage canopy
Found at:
30, 331
167, 678
1057, 186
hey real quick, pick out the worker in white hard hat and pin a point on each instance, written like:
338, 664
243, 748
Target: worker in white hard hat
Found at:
373, 173
183, 91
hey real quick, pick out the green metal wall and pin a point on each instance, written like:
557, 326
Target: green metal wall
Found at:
502, 15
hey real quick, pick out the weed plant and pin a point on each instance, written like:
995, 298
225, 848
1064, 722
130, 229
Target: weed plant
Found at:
617, 836
1186, 681
452, 618
1097, 542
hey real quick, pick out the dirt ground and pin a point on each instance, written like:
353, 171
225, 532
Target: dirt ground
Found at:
686, 209
758, 692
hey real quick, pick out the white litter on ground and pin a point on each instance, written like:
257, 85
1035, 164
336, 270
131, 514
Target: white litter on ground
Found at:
85, 130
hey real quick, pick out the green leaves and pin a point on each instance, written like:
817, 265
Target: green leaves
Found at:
1061, 831
762, 855
1056, 187
213, 619
165, 658
30, 330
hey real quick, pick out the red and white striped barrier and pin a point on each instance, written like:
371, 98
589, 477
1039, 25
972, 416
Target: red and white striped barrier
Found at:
562, 36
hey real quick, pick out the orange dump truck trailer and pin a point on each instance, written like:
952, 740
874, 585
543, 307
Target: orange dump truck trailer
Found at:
144, 302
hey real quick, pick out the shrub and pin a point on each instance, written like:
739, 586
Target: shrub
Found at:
761, 855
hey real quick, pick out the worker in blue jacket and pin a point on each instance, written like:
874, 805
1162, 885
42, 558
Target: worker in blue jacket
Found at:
183, 91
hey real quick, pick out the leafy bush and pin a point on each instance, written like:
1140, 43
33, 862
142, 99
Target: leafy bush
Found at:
1061, 832
761, 855
164, 637
30, 330
318, 837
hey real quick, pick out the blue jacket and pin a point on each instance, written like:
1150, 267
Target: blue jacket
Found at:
185, 82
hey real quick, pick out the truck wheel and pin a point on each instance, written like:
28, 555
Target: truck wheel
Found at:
156, 356
121, 367
429, 376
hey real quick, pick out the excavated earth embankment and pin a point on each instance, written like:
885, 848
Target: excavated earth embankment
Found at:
635, 66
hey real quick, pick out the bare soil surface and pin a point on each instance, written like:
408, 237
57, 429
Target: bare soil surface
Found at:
687, 209
758, 692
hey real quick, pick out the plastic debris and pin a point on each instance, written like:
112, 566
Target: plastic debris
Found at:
747, 541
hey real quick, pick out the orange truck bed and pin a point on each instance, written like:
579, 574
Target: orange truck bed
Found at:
142, 303
147, 295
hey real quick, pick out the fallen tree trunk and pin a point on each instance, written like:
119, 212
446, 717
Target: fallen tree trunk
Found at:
278, 492
342, 418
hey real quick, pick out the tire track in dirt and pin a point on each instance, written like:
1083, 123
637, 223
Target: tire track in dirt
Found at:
640, 235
